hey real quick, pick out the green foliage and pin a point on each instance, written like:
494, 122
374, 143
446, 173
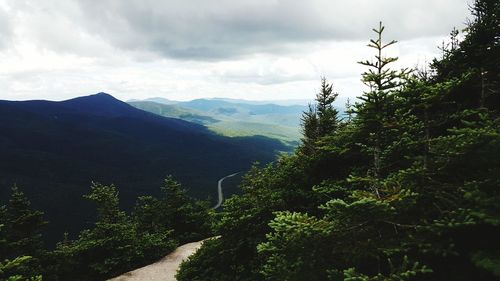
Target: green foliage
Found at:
134, 151
292, 248
310, 124
116, 243
22, 225
244, 219
204, 265
406, 271
189, 219
327, 114
380, 79
119, 242
375, 116
106, 200
21, 246
321, 119
405, 189
13, 266
488, 261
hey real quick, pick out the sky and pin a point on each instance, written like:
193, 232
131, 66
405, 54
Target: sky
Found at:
187, 49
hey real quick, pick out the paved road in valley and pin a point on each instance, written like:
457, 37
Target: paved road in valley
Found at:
219, 190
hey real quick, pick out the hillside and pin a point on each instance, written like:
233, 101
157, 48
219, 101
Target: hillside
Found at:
407, 188
402, 185
174, 111
53, 150
234, 117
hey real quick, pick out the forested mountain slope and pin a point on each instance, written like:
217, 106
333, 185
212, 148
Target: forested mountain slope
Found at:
405, 188
53, 150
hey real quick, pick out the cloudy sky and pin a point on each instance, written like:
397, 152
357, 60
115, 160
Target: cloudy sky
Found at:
185, 49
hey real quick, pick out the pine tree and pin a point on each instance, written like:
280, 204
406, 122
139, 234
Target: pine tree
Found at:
21, 233
321, 119
375, 114
482, 45
113, 246
349, 110
106, 200
175, 211
327, 114
476, 59
23, 225
310, 125
428, 152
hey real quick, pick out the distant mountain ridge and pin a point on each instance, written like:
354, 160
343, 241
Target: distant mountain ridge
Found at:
231, 117
288, 102
53, 150
155, 99
174, 111
253, 109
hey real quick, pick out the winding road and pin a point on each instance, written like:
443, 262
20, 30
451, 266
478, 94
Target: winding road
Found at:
219, 190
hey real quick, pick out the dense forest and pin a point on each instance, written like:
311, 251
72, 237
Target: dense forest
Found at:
117, 242
53, 150
404, 187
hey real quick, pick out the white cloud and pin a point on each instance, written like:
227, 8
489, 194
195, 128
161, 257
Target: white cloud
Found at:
265, 49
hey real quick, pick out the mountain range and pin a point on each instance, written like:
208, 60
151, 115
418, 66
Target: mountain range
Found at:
230, 117
53, 150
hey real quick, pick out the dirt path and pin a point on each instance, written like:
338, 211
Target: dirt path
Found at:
166, 268
162, 270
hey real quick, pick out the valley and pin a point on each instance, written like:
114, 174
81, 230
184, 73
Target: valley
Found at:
234, 118
251, 140
54, 150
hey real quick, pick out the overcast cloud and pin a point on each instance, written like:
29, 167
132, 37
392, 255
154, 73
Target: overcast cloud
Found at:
253, 49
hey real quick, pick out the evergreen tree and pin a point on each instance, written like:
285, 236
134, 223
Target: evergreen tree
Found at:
327, 114
115, 244
321, 119
310, 127
476, 59
432, 212
23, 226
188, 219
21, 233
15, 268
375, 115
10, 270
106, 200
349, 110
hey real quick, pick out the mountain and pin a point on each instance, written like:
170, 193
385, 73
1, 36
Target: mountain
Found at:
156, 99
235, 117
53, 150
278, 102
229, 108
174, 111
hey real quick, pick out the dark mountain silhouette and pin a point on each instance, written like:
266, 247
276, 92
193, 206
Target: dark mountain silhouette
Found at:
53, 150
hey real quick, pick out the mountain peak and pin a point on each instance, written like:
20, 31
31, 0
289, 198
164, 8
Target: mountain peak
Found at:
95, 98
100, 104
101, 95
